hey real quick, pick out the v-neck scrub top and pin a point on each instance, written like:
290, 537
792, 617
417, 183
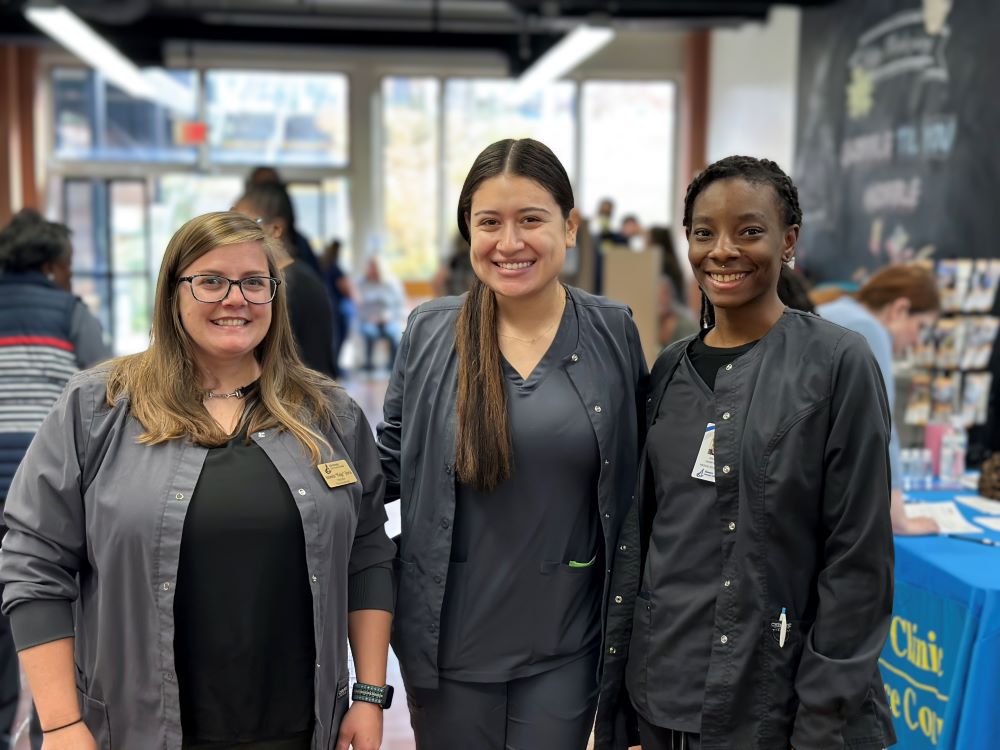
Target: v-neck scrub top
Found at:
526, 572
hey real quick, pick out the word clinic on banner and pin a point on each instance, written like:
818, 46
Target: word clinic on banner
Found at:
920, 665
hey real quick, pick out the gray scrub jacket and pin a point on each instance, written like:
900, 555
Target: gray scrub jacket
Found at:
417, 445
95, 536
802, 493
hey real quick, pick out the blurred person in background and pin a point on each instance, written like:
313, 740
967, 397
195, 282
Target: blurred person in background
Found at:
381, 311
46, 334
603, 220
166, 585
511, 439
309, 307
675, 320
341, 290
455, 276
633, 232
300, 247
890, 310
662, 238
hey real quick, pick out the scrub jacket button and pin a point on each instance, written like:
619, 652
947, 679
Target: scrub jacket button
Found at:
612, 650
618, 599
726, 415
727, 584
726, 469
445, 523
575, 357
732, 526
729, 367
597, 408
437, 579
166, 585
313, 579
301, 491
179, 496
724, 639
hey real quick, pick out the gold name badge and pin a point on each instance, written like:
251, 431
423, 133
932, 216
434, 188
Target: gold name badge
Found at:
337, 474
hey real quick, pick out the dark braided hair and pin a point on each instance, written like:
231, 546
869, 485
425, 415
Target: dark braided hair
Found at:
755, 171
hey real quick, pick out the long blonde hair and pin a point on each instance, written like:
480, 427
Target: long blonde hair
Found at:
162, 384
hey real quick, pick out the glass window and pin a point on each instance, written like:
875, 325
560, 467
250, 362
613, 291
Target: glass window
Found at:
97, 121
410, 176
257, 117
322, 213
628, 148
479, 112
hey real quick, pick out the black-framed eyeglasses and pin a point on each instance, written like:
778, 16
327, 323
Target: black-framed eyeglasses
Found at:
206, 287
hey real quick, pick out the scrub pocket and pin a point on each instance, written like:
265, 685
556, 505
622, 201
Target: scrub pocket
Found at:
567, 608
782, 664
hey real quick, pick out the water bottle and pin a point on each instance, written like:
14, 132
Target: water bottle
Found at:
953, 446
926, 460
907, 466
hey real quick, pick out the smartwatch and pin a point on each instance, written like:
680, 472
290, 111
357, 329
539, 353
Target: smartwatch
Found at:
380, 696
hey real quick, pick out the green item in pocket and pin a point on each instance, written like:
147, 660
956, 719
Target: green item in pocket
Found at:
575, 564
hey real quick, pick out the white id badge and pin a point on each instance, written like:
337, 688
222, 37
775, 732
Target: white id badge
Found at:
704, 465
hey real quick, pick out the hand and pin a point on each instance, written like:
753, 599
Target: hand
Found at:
917, 526
361, 728
76, 737
903, 525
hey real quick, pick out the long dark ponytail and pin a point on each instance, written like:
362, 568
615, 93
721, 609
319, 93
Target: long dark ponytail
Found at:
483, 441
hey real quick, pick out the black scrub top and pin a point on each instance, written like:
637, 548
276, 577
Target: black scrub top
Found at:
524, 584
675, 610
244, 646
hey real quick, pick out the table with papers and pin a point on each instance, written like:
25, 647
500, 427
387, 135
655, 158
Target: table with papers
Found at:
941, 664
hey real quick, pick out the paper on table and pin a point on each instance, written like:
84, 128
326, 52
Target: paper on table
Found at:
982, 504
947, 515
990, 522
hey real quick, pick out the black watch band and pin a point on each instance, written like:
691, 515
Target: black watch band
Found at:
379, 695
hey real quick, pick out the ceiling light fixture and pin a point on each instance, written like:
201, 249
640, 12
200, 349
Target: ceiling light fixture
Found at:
66, 28
567, 53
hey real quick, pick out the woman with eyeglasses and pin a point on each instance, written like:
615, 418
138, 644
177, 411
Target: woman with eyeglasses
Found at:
197, 530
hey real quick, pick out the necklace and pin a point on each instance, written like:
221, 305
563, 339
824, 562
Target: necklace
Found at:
238, 393
548, 328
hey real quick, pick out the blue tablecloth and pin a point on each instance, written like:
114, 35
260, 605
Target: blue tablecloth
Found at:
941, 664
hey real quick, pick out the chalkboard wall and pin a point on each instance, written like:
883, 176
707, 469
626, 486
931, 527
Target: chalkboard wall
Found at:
898, 136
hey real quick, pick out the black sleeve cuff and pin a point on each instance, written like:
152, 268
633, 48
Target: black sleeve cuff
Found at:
371, 588
40, 621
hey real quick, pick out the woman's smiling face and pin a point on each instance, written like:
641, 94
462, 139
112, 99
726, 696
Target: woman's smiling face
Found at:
232, 328
518, 236
738, 241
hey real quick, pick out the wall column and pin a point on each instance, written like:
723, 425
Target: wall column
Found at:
18, 187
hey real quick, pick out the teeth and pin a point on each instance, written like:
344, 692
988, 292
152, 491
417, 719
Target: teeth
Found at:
232, 322
727, 276
515, 266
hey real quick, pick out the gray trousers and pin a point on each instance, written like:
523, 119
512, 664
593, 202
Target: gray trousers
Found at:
659, 738
549, 711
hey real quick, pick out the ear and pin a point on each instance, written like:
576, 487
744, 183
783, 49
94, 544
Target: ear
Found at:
898, 309
791, 239
572, 225
277, 229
